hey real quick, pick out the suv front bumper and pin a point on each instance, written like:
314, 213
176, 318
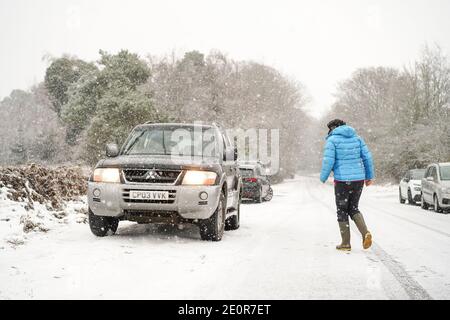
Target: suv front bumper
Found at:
445, 201
110, 199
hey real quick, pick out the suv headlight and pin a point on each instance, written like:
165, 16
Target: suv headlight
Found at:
111, 175
446, 190
202, 178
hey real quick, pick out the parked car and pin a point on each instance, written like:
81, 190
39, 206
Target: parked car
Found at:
436, 187
410, 186
256, 185
154, 178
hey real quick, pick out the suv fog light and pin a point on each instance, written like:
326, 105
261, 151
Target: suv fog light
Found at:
203, 195
96, 193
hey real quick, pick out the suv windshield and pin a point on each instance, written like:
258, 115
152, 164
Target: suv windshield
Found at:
183, 141
445, 172
417, 174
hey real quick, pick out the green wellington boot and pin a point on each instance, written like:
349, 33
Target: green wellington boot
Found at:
345, 235
366, 235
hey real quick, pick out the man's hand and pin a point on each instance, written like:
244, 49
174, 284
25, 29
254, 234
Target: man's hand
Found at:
368, 182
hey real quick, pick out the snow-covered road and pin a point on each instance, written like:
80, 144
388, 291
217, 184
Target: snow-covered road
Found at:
285, 249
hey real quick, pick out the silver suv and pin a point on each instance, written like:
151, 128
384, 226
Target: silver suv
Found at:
168, 173
436, 187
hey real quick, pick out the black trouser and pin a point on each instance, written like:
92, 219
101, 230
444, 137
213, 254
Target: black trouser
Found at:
347, 198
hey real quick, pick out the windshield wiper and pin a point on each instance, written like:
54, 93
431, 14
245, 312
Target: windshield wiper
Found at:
164, 142
133, 143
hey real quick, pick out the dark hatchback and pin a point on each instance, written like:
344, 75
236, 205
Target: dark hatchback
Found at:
256, 185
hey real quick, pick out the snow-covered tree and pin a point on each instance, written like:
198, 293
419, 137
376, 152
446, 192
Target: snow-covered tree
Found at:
27, 126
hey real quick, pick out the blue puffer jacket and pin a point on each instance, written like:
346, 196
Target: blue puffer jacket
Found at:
347, 156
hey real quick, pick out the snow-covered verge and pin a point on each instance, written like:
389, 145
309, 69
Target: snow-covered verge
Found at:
18, 224
37, 199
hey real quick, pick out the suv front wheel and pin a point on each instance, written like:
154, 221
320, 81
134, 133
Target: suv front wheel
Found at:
101, 225
436, 206
212, 229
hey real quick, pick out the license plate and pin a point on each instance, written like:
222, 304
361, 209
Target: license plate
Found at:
149, 195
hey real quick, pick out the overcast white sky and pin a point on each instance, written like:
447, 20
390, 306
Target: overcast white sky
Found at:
318, 42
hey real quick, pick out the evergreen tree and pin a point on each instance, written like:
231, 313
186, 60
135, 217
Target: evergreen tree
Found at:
60, 75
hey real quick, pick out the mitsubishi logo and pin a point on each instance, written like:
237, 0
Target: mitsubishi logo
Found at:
151, 175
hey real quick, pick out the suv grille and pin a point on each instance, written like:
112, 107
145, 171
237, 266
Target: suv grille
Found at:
151, 176
126, 197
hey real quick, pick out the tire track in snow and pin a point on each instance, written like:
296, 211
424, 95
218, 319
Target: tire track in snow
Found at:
412, 288
408, 220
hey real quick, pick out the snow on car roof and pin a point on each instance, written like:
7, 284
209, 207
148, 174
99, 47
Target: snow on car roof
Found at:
168, 126
174, 124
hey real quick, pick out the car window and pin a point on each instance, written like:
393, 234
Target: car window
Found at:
246, 172
418, 174
445, 172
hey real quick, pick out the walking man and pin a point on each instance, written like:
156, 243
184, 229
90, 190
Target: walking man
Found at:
348, 157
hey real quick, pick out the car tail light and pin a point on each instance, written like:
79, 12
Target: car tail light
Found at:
251, 179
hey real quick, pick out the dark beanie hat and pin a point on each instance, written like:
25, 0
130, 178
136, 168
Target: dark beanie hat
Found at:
333, 124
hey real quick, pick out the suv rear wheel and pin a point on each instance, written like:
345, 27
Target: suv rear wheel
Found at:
101, 225
212, 229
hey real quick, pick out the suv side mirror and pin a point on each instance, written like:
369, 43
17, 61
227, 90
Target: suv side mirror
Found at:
430, 178
112, 150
